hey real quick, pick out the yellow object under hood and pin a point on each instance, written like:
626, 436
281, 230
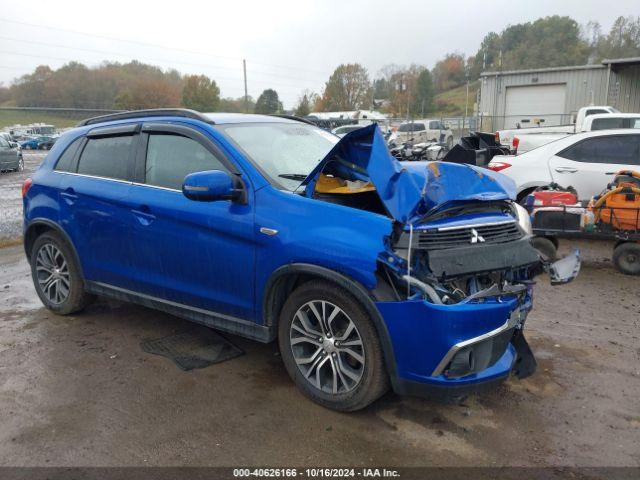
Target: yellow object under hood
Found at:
330, 184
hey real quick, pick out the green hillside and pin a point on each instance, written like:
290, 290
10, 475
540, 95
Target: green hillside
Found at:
451, 102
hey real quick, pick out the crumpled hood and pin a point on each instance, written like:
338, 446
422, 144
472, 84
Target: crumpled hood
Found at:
409, 190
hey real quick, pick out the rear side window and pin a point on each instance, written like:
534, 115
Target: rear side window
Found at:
607, 123
170, 158
108, 157
65, 162
618, 149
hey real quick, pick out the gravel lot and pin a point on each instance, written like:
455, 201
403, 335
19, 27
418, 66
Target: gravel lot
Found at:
79, 391
11, 199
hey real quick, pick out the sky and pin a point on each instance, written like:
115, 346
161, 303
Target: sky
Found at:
289, 45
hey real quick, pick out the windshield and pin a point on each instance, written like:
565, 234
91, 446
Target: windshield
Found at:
285, 152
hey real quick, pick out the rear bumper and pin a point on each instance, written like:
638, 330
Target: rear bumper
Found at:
430, 342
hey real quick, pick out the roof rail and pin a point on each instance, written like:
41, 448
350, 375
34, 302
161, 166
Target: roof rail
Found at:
156, 112
292, 117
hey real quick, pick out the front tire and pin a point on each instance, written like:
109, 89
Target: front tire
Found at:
56, 275
626, 258
331, 348
546, 247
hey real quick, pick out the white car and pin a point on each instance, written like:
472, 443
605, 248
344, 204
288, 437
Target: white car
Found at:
343, 130
586, 161
427, 130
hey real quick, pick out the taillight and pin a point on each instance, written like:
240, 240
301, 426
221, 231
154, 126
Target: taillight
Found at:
497, 135
497, 166
515, 143
26, 186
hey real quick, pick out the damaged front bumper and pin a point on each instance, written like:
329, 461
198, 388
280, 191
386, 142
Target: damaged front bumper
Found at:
444, 349
452, 346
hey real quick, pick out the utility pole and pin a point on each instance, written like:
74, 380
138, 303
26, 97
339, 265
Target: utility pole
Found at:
246, 96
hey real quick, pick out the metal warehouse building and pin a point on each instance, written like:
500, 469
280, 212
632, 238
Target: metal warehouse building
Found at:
551, 96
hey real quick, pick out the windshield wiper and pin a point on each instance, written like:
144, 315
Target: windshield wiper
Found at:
293, 176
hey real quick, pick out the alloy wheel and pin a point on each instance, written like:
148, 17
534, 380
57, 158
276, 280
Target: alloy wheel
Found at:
52, 272
327, 347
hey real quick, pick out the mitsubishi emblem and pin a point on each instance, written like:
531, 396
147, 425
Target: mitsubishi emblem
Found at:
476, 237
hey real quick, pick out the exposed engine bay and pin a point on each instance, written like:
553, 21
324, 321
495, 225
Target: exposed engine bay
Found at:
448, 264
457, 234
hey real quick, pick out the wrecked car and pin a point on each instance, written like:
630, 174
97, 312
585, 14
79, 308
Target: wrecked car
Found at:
369, 272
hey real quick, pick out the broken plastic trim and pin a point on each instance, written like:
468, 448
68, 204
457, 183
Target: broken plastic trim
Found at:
564, 270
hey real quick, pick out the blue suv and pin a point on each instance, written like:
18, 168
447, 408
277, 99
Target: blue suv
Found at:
369, 272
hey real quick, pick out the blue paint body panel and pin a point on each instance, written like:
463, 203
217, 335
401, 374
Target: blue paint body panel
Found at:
212, 256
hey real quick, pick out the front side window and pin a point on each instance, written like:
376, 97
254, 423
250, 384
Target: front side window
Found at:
617, 149
170, 158
108, 157
285, 152
433, 125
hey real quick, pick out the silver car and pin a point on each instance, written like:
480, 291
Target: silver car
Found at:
10, 156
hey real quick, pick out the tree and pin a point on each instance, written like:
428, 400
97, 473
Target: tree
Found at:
304, 105
237, 105
547, 42
449, 72
268, 102
622, 41
348, 88
200, 93
424, 93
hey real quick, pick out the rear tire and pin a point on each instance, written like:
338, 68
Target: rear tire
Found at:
545, 247
626, 258
335, 359
56, 275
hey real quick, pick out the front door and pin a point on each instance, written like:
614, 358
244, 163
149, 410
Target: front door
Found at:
589, 165
198, 254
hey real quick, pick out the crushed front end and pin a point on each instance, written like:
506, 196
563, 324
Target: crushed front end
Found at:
456, 275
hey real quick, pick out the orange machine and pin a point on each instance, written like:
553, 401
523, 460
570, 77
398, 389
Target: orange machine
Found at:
619, 204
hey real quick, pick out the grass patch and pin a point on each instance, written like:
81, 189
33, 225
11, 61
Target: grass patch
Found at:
25, 117
451, 102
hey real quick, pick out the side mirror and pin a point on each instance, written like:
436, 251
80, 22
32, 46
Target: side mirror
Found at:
13, 144
209, 186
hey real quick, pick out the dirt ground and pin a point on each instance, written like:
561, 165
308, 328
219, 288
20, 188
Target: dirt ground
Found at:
79, 391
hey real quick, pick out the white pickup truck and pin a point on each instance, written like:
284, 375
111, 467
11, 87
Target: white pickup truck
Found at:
522, 140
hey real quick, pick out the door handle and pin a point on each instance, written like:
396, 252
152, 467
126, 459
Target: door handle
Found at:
69, 196
566, 170
143, 215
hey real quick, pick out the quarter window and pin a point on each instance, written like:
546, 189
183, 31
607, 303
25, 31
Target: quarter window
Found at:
617, 149
170, 158
65, 162
108, 157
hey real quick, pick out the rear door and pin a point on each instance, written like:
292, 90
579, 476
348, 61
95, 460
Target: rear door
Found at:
589, 164
96, 173
198, 254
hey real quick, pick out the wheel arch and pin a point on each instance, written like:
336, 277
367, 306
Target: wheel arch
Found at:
40, 226
288, 277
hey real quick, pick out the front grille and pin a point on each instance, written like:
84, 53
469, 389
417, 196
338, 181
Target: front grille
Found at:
464, 236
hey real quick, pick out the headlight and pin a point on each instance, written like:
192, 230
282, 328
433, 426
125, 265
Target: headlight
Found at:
524, 220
